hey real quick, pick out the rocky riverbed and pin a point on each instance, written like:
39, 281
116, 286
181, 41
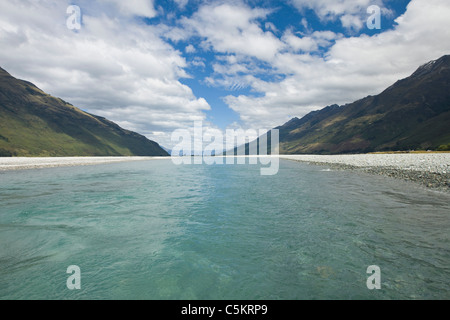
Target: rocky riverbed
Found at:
35, 163
431, 170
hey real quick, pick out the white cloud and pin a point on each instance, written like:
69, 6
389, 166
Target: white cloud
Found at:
122, 69
305, 44
351, 13
351, 69
327, 9
351, 22
309, 43
231, 28
305, 23
112, 67
181, 3
270, 26
142, 8
198, 62
190, 49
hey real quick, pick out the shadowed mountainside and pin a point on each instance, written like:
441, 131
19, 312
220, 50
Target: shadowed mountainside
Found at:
414, 113
33, 123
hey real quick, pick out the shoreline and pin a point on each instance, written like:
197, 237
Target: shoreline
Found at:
25, 163
430, 170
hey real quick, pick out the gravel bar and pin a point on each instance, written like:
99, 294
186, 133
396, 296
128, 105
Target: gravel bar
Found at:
431, 170
7, 164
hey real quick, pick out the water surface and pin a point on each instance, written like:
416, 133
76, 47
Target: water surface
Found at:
153, 230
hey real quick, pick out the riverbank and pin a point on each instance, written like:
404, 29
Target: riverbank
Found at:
431, 170
7, 164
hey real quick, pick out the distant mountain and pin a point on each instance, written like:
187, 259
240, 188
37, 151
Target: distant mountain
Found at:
412, 114
167, 150
33, 123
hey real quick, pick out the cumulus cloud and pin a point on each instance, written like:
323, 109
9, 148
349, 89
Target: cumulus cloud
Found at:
114, 66
143, 8
299, 72
349, 69
130, 72
309, 43
181, 3
190, 49
232, 28
351, 13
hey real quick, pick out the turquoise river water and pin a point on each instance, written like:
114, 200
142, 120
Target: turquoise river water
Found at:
153, 230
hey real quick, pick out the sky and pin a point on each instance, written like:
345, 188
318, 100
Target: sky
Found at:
157, 66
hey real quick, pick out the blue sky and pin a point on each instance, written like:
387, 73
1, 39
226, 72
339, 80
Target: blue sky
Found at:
283, 16
156, 66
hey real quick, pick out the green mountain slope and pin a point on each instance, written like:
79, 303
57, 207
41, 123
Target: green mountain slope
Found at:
33, 123
412, 114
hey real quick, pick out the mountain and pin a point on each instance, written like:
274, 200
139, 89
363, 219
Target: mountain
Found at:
33, 123
412, 114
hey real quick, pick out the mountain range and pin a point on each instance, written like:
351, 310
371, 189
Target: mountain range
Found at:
33, 123
412, 114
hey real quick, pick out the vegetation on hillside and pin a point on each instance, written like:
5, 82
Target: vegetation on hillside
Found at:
34, 123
